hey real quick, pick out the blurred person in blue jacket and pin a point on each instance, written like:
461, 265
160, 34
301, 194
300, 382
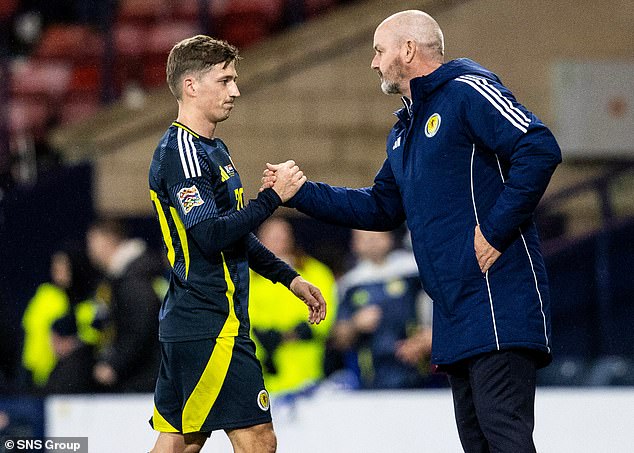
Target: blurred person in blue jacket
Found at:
384, 320
466, 166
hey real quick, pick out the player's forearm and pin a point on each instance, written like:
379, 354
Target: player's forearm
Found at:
265, 263
214, 235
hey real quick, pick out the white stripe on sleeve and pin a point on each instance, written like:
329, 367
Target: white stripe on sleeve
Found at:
179, 135
495, 103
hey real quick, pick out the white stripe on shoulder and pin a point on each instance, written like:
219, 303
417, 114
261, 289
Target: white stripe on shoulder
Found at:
504, 101
494, 102
179, 140
188, 153
195, 153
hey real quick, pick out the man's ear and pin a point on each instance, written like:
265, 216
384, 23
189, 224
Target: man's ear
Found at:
409, 50
189, 86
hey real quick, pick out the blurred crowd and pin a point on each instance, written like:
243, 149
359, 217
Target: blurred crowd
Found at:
93, 326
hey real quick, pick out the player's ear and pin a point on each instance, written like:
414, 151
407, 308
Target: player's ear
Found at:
189, 86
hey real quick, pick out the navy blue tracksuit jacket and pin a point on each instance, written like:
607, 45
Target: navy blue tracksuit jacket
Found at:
463, 152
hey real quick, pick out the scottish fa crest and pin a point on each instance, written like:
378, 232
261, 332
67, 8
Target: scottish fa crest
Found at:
432, 125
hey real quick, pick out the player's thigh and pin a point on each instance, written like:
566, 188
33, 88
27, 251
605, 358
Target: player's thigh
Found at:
253, 439
179, 443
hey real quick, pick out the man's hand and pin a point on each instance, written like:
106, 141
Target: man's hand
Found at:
485, 252
312, 297
105, 374
288, 178
366, 320
268, 179
413, 349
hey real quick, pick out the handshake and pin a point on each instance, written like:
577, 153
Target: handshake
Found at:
285, 179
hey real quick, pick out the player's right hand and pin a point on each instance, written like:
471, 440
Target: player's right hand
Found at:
312, 297
288, 179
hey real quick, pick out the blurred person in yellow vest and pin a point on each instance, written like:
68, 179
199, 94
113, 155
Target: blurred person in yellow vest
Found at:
71, 286
291, 350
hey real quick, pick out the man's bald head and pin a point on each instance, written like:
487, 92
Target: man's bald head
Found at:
417, 26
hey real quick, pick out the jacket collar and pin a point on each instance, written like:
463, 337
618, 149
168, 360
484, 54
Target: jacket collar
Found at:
404, 113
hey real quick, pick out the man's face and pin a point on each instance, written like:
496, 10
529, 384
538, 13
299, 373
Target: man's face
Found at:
372, 245
387, 61
217, 91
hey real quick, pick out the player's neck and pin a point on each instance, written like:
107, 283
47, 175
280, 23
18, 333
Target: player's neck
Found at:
197, 124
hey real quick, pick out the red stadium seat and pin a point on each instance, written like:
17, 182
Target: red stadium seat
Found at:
244, 22
267, 11
184, 9
130, 39
71, 42
28, 116
160, 40
86, 79
35, 78
7, 8
143, 11
162, 37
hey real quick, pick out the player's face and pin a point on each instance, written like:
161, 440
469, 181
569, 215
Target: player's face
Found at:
216, 92
387, 61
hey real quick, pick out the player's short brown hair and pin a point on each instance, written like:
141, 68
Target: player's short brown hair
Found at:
194, 55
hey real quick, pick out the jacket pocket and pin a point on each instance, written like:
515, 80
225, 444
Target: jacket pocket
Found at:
468, 267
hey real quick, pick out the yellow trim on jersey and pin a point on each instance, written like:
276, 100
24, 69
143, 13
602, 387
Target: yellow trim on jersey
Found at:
185, 128
232, 324
208, 387
182, 234
160, 424
167, 237
223, 174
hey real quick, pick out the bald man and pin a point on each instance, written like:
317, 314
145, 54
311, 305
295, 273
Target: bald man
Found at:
466, 166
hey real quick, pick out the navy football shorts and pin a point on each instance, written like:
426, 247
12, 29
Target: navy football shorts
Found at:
211, 384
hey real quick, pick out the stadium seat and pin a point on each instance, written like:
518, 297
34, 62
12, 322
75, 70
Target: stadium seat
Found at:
160, 40
28, 116
86, 79
185, 9
71, 43
7, 8
162, 37
243, 22
34, 78
130, 39
143, 11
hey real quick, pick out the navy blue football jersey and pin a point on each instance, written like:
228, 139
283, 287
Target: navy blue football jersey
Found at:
193, 180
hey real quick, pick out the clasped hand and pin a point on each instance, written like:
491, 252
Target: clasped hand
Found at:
285, 179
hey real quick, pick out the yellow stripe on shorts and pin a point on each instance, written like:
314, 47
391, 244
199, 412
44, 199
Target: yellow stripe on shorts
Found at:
210, 383
160, 424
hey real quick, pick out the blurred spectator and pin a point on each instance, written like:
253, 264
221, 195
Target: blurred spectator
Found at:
290, 349
69, 290
130, 361
384, 321
75, 360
